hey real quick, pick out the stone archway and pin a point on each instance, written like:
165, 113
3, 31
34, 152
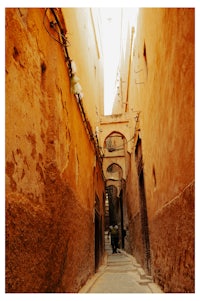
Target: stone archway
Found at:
114, 149
121, 124
114, 142
114, 172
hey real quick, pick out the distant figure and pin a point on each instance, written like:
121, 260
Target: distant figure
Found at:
114, 237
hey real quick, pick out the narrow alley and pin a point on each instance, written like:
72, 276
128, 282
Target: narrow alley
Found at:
74, 172
121, 273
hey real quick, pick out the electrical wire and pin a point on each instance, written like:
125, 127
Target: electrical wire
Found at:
65, 39
66, 42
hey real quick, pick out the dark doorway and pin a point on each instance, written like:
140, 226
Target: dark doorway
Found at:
97, 240
143, 206
144, 222
122, 219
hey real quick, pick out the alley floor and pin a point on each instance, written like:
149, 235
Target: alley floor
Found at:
120, 274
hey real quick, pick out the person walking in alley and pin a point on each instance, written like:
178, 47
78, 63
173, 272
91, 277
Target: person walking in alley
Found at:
114, 238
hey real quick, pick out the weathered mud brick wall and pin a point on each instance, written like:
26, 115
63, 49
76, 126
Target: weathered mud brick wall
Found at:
173, 247
50, 164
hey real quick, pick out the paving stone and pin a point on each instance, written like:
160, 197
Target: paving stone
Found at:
118, 283
120, 274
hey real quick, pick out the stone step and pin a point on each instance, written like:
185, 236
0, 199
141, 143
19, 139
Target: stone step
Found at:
142, 273
144, 281
155, 288
120, 270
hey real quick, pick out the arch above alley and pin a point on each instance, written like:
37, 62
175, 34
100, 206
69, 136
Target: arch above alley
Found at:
119, 123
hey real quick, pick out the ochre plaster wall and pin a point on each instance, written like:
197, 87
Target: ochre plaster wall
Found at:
52, 174
162, 88
87, 53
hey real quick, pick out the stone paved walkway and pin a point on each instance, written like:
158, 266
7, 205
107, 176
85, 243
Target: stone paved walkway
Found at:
120, 274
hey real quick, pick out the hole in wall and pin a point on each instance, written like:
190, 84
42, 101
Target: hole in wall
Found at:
43, 67
154, 176
145, 56
15, 53
144, 52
